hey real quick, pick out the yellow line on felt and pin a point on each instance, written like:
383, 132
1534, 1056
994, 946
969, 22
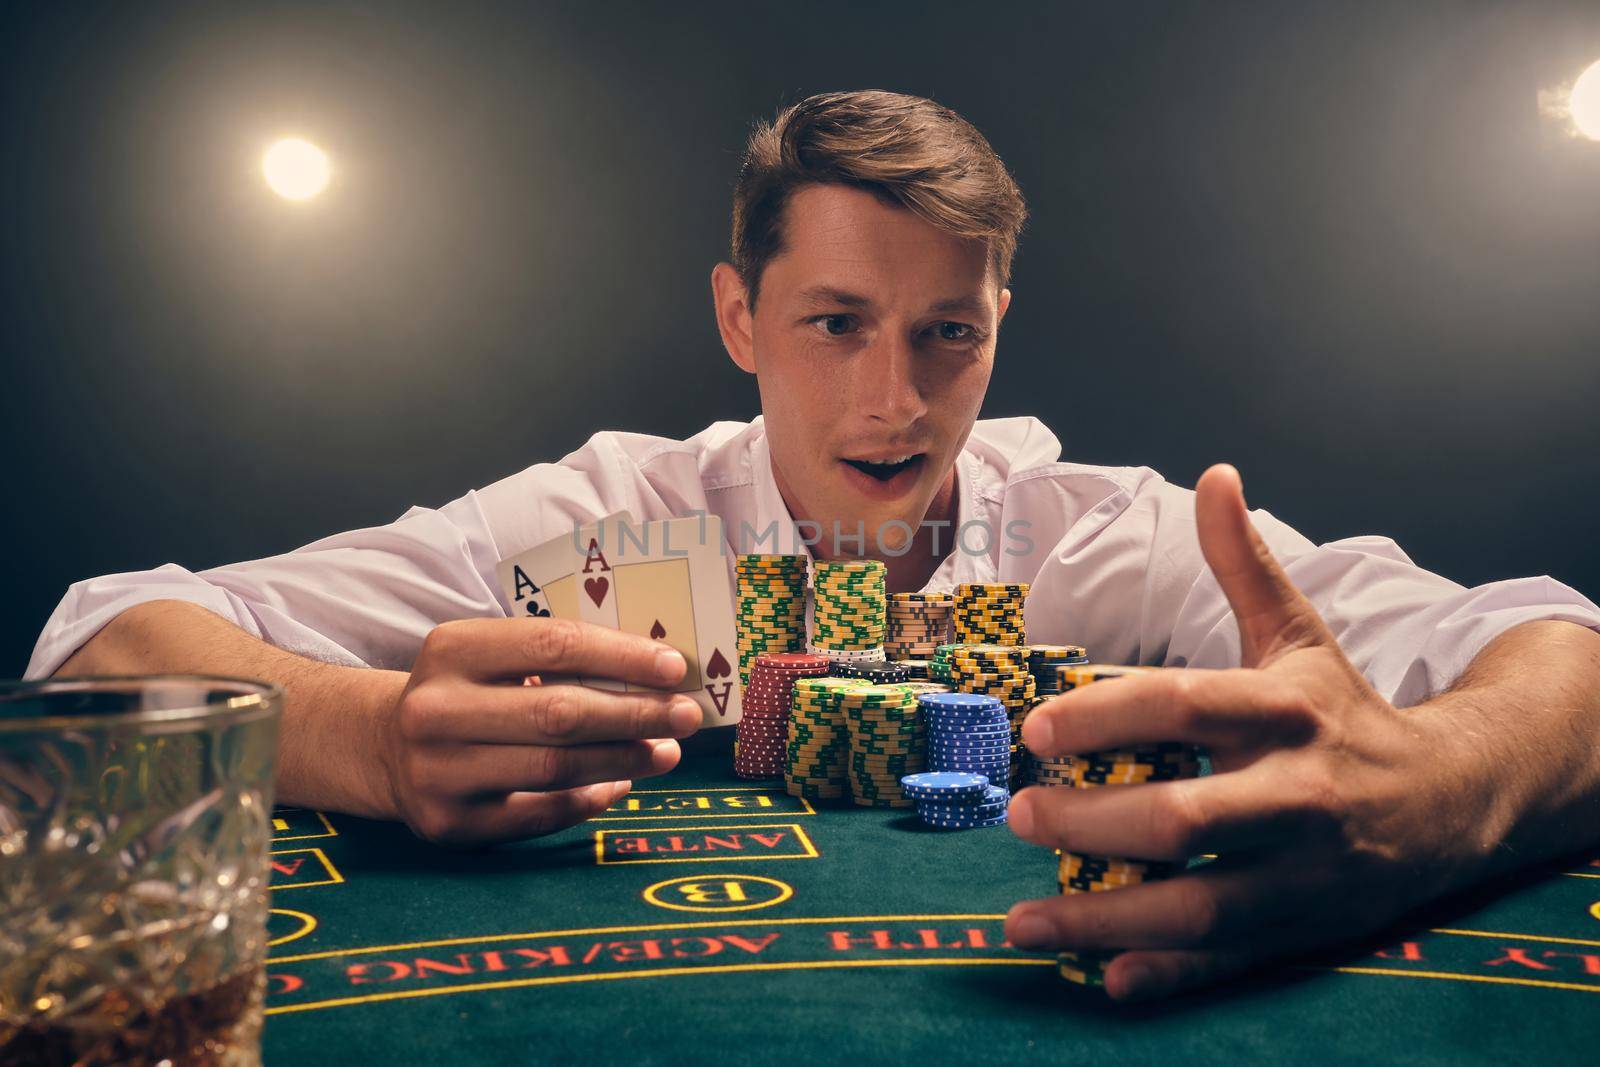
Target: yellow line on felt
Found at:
1449, 975
665, 972
626, 930
1517, 937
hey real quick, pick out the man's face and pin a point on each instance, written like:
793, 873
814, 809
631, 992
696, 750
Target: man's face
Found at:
872, 346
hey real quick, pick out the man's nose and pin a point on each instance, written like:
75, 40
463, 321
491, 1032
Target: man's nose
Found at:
886, 385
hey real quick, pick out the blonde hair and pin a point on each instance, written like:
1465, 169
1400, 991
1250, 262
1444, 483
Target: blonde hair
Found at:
906, 150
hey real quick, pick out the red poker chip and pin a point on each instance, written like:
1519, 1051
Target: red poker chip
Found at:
760, 678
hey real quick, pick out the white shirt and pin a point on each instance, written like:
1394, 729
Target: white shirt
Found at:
1115, 564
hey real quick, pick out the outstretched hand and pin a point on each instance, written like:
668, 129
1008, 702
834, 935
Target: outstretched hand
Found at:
1330, 811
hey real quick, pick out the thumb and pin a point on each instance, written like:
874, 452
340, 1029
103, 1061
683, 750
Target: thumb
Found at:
1274, 617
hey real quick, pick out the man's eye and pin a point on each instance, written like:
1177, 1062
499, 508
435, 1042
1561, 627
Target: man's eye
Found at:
945, 335
841, 325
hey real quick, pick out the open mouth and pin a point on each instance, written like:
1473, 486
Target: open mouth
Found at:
886, 470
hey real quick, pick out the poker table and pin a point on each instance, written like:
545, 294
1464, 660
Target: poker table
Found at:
711, 920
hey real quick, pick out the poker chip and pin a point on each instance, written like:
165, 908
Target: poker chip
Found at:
1078, 873
1000, 672
849, 606
1044, 659
990, 613
818, 739
917, 624
962, 805
771, 611
761, 737
943, 784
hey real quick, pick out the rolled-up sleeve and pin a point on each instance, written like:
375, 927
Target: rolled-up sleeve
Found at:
1130, 582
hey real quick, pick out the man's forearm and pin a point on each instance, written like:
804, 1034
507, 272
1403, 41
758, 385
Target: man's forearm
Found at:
329, 752
1522, 728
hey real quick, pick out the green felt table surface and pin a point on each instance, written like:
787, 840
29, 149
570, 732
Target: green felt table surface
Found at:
842, 932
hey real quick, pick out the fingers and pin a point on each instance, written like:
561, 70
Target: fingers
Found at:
543, 715
476, 771
1214, 708
520, 815
1136, 976
511, 649
1272, 613
1224, 813
1215, 904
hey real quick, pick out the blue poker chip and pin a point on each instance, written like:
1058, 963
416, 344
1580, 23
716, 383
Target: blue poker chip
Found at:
997, 728
966, 824
990, 707
960, 761
954, 762
992, 778
991, 796
968, 766
944, 784
998, 733
980, 715
956, 811
998, 744
976, 759
958, 701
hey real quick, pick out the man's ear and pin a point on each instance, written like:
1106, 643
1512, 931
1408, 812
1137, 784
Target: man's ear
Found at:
734, 320
1001, 304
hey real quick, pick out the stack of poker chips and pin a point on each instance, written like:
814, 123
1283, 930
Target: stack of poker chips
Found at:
761, 739
969, 733
819, 739
1094, 874
1001, 672
881, 672
1042, 663
990, 613
849, 618
955, 801
772, 607
916, 668
887, 742
921, 688
939, 664
918, 624
854, 668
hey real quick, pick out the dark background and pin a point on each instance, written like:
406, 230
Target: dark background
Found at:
1336, 244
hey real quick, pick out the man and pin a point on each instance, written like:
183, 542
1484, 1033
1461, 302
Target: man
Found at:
872, 242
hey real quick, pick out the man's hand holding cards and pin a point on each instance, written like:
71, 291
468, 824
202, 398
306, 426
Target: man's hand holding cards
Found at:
474, 756
664, 580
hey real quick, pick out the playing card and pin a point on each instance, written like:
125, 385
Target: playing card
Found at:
668, 580
543, 582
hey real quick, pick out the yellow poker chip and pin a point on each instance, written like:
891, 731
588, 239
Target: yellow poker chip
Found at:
1072, 677
966, 589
